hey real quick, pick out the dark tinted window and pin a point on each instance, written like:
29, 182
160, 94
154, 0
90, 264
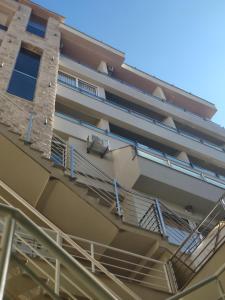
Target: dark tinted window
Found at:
23, 80
28, 62
37, 25
22, 86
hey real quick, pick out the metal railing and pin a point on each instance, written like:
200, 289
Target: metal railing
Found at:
72, 277
212, 287
141, 115
132, 207
125, 265
151, 214
26, 117
64, 240
158, 156
181, 166
200, 245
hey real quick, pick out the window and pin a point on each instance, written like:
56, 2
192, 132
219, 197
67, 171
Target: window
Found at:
24, 77
36, 25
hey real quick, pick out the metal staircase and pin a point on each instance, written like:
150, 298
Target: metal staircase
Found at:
32, 250
55, 272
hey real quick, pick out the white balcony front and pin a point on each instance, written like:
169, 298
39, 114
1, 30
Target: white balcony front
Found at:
172, 180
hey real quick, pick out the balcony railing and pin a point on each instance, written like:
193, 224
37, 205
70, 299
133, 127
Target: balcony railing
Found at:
158, 156
141, 91
145, 117
133, 208
200, 245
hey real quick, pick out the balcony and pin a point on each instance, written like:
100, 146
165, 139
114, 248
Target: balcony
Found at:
70, 125
147, 99
147, 127
153, 172
91, 90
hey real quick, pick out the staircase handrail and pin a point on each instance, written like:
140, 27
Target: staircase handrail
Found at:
63, 235
85, 278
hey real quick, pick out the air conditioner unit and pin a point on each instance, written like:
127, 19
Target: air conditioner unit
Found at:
97, 145
110, 69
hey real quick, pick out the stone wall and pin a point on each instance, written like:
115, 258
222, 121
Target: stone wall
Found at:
15, 111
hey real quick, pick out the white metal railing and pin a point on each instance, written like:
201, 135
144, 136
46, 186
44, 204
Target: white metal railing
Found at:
78, 83
64, 239
76, 278
125, 265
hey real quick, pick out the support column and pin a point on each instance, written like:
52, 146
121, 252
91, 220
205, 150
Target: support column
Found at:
170, 122
103, 67
183, 156
103, 124
101, 92
158, 92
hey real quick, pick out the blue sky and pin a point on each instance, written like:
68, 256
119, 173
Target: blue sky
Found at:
179, 41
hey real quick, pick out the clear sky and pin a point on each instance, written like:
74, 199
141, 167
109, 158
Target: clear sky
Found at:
179, 41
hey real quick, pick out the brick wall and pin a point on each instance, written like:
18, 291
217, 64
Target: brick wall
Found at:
15, 111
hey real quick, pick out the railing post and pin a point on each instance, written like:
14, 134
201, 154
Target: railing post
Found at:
57, 266
92, 249
72, 161
170, 277
222, 201
27, 136
6, 248
118, 207
160, 218
220, 289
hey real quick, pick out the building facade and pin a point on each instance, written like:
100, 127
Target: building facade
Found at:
115, 165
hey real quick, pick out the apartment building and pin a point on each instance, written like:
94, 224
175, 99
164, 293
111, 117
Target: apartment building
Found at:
106, 172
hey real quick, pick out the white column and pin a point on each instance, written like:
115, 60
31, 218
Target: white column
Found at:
101, 92
158, 92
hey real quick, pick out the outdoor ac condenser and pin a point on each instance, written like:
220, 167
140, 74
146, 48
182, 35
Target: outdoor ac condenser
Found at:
97, 144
